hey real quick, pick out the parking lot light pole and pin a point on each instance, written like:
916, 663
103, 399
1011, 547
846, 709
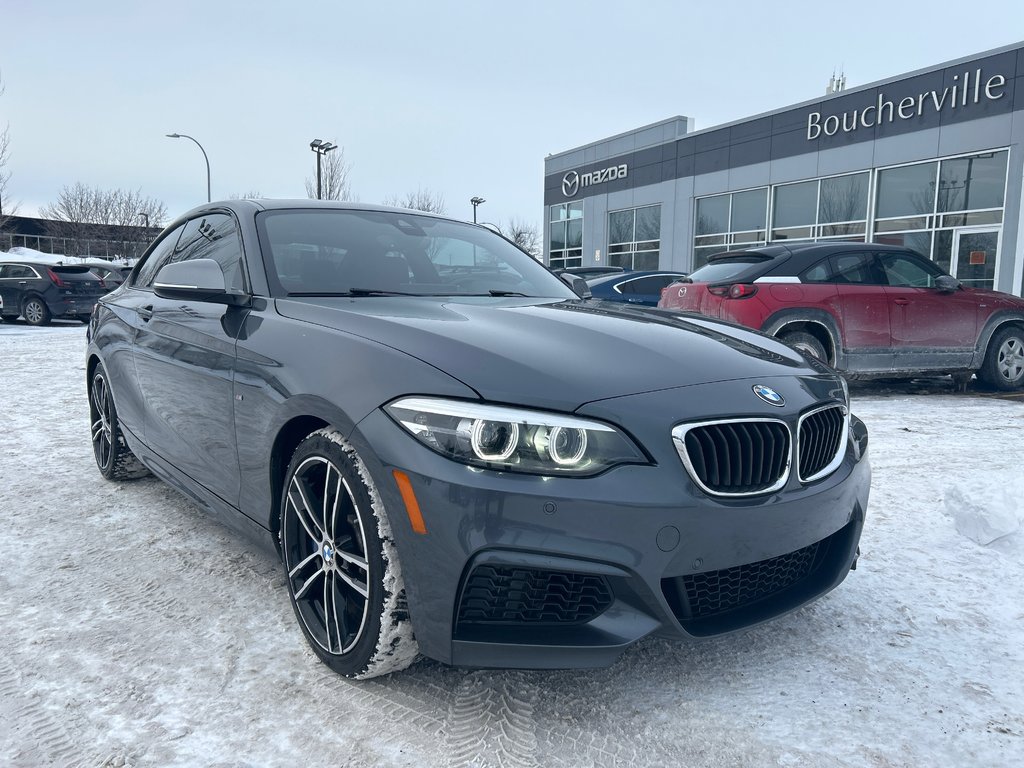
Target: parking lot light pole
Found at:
475, 202
207, 159
321, 148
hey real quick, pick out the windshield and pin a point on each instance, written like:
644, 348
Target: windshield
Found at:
717, 271
367, 253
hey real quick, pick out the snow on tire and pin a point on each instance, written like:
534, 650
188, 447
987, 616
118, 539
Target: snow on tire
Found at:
341, 565
114, 458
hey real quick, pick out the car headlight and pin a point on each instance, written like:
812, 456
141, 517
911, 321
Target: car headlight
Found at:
512, 439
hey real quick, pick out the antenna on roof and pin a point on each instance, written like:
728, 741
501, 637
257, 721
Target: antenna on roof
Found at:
836, 84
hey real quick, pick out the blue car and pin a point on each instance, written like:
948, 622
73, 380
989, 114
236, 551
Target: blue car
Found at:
633, 287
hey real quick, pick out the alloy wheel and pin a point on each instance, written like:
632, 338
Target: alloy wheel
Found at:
102, 432
34, 312
324, 547
1010, 362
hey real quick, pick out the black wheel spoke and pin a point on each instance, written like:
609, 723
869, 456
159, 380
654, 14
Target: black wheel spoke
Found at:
299, 502
301, 591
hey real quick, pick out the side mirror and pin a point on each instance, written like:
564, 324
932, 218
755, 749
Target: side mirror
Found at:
195, 280
578, 284
947, 283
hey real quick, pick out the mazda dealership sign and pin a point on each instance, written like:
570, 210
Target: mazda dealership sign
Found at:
573, 181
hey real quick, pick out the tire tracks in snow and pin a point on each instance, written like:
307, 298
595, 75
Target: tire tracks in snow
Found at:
36, 725
491, 722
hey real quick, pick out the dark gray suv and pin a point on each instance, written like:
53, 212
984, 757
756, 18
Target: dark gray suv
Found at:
38, 291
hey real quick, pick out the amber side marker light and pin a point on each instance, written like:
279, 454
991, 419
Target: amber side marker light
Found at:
412, 507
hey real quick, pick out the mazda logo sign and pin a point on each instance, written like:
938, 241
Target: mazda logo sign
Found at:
570, 184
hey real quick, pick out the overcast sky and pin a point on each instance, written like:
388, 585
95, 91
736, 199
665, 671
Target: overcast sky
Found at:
460, 98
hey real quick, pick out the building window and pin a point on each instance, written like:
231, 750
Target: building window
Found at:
565, 245
925, 205
835, 207
729, 222
634, 237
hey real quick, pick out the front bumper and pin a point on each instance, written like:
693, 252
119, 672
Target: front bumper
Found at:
533, 572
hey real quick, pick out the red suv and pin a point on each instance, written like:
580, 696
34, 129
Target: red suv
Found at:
867, 309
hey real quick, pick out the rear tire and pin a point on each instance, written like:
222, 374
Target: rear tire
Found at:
806, 344
84, 319
1003, 368
114, 458
36, 312
341, 565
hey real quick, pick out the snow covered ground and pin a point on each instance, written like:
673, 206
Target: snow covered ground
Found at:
134, 631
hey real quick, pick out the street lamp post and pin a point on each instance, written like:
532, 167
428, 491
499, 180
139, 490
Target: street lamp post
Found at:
475, 202
207, 159
321, 148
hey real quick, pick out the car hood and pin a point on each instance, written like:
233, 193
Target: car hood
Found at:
556, 354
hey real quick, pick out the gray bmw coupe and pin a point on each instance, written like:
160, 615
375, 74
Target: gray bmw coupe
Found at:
455, 455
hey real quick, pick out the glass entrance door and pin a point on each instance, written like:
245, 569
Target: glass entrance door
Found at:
974, 256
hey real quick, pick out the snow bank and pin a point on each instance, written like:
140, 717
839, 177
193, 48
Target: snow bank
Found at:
989, 507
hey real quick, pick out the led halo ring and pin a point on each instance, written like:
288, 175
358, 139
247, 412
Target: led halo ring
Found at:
577, 456
507, 450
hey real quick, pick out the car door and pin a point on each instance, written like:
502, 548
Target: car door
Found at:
184, 357
864, 308
931, 329
14, 279
15, 282
120, 324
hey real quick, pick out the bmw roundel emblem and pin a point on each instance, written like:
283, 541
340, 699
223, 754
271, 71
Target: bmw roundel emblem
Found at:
769, 395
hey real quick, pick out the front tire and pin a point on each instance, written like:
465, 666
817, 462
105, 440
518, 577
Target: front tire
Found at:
341, 564
36, 312
114, 458
1004, 361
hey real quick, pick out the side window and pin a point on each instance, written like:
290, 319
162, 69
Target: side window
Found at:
857, 268
214, 236
819, 273
156, 259
16, 271
908, 271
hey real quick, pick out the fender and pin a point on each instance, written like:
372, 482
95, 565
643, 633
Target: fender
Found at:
777, 322
996, 321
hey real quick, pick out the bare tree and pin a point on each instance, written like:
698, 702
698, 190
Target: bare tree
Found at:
7, 207
91, 220
334, 177
523, 234
252, 194
420, 200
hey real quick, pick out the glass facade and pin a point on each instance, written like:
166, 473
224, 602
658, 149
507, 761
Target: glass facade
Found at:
565, 243
730, 222
928, 206
949, 210
634, 237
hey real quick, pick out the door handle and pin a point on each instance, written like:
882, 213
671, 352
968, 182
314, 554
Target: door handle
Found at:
146, 312
902, 302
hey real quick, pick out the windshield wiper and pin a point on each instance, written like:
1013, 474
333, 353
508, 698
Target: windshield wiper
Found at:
494, 292
354, 292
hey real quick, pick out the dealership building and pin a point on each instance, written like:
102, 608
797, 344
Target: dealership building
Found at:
932, 160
